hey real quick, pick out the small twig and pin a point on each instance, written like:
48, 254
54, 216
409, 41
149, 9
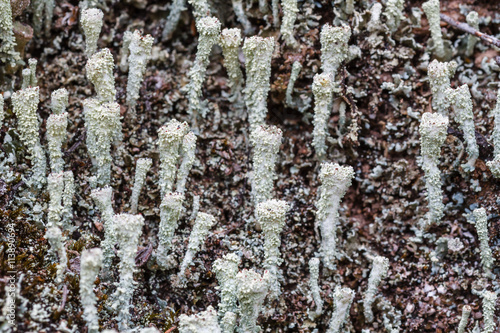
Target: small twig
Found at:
467, 28
75, 145
171, 329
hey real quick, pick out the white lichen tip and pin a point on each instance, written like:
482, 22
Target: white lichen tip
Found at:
461, 101
290, 10
170, 211
100, 72
432, 11
335, 176
252, 290
342, 298
188, 153
379, 271
59, 100
489, 306
225, 270
141, 169
170, 138
90, 264
481, 223
266, 141
466, 310
439, 80
433, 131
91, 21
140, 52
55, 187
230, 41
334, 47
323, 96
230, 38
25, 105
258, 53
203, 322
394, 13
271, 216
56, 241
56, 135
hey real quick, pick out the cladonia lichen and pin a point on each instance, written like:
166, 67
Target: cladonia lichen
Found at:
203, 322
230, 40
439, 80
100, 72
140, 52
432, 11
290, 11
342, 298
334, 48
170, 211
90, 264
56, 135
315, 289
252, 290
489, 305
55, 187
323, 96
141, 169
472, 20
103, 200
294, 75
466, 310
378, 272
56, 241
335, 180
494, 165
394, 13
480, 221
91, 21
188, 154
225, 270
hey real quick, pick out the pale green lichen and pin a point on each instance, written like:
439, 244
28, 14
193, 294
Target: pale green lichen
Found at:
100, 72
271, 216
489, 306
170, 211
188, 154
56, 241
68, 194
334, 48
170, 138
2, 110
433, 130
266, 141
252, 290
32, 62
203, 322
128, 231
378, 272
141, 169
294, 75
56, 135
461, 101
43, 12
91, 21
432, 11
394, 13
201, 227
55, 187
8, 54
342, 299
242, 17
102, 121
209, 30
323, 89
103, 200
230, 41
472, 20
258, 52
290, 11
176, 8
59, 100
494, 165
90, 264
315, 289
228, 322
140, 52
439, 80
481, 224
200, 9
225, 270
26, 74
466, 310
335, 181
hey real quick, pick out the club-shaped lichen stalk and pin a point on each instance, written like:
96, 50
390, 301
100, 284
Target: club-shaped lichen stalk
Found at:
342, 299
472, 20
99, 69
335, 181
378, 272
56, 135
102, 198
141, 169
56, 241
230, 40
494, 165
170, 211
55, 187
315, 289
225, 270
433, 130
394, 13
294, 75
252, 290
481, 224
439, 80
90, 264
323, 96
290, 11
140, 52
68, 194
7, 33
334, 48
91, 21
489, 305
271, 216
188, 154
432, 11
466, 310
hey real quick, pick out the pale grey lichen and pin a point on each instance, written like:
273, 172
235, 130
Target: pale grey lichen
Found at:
56, 135
432, 11
56, 241
439, 80
2, 110
228, 322
378, 272
200, 9
128, 230
472, 20
242, 17
258, 53
334, 48
100, 72
394, 13
489, 305
102, 121
209, 30
201, 227
141, 169
266, 141
91, 21
323, 89
315, 289
176, 8
271, 216
103, 200
290, 11
294, 75
342, 299
8, 54
335, 181
252, 290
461, 101
170, 138
43, 12
90, 264
170, 211
375, 25
225, 270
494, 165
230, 41
203, 322
67, 198
25, 105
188, 154
55, 187
140, 52
481, 224
466, 310
59, 100
26, 74
433, 130
32, 62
